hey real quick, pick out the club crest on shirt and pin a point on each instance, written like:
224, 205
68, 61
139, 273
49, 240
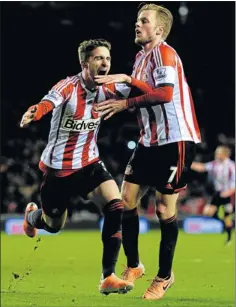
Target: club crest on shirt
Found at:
144, 76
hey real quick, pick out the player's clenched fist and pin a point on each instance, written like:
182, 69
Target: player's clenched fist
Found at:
28, 116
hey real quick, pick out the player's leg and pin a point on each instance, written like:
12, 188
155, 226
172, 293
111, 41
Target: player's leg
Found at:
166, 212
131, 194
160, 205
228, 220
212, 209
173, 173
209, 210
52, 216
169, 233
133, 188
107, 195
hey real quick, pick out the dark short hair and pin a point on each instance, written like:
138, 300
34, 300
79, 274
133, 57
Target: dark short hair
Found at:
86, 47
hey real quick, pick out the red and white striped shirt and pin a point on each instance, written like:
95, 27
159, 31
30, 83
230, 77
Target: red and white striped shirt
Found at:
222, 174
72, 142
175, 120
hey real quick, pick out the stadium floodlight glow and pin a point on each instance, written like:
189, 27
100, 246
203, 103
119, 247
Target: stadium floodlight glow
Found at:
183, 9
131, 144
183, 12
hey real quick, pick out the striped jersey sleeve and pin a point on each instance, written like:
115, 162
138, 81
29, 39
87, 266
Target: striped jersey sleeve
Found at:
164, 72
61, 92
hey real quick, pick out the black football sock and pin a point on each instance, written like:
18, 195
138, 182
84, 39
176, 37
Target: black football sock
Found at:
111, 235
216, 216
169, 235
35, 219
229, 232
130, 232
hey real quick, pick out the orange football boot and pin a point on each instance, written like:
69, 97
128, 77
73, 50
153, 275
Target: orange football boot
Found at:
158, 288
131, 274
113, 284
28, 229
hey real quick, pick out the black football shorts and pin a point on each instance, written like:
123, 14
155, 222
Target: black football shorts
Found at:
56, 192
164, 167
218, 201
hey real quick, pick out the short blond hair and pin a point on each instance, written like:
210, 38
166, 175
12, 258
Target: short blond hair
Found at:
163, 14
225, 149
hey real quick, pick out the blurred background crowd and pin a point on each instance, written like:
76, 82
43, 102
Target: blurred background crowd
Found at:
39, 48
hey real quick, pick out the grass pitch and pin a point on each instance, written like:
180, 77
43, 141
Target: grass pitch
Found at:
64, 270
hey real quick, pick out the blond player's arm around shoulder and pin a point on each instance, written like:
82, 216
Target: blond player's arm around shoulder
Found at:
36, 112
198, 167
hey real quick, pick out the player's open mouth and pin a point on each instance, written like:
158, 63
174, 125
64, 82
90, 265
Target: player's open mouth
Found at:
102, 72
137, 32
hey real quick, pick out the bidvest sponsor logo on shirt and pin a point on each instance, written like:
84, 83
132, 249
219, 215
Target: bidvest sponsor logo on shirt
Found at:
82, 125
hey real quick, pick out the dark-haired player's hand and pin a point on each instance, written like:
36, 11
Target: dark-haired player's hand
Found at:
28, 116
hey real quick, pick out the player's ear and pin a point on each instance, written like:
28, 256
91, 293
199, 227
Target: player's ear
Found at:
84, 64
159, 30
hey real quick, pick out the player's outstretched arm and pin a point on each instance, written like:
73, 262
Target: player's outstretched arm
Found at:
36, 112
198, 167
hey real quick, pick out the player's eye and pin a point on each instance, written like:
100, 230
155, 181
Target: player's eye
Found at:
144, 20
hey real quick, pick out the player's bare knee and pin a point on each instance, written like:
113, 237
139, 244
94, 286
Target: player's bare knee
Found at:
205, 212
55, 224
167, 214
164, 212
166, 207
209, 211
128, 202
228, 220
160, 210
